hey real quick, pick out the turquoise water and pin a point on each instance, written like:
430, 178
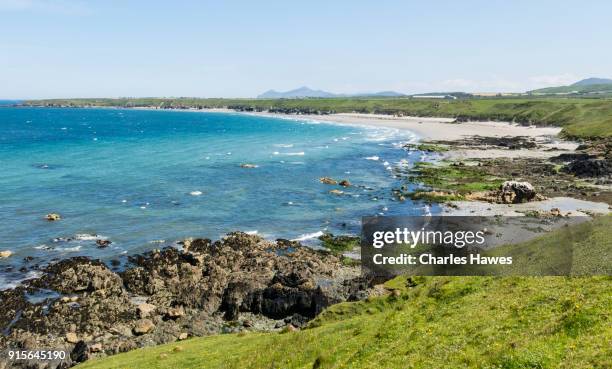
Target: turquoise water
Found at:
144, 179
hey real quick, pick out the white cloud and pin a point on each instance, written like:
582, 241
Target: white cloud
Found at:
503, 84
493, 84
554, 80
47, 6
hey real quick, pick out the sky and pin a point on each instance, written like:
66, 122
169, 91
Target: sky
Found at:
113, 48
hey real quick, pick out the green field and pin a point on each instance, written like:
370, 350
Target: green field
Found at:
580, 118
432, 322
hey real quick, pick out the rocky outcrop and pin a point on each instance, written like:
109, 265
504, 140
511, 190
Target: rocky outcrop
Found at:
513, 192
590, 167
239, 282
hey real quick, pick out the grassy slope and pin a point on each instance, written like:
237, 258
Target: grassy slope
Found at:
579, 117
435, 322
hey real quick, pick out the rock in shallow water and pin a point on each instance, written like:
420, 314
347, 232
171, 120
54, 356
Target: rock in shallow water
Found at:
327, 180
53, 217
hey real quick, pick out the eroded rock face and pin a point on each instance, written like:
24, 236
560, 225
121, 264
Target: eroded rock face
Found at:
168, 294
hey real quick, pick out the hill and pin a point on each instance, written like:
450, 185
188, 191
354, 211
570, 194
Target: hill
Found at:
593, 81
585, 86
431, 322
297, 93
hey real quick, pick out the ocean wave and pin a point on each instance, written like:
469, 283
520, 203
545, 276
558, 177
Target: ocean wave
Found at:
300, 153
6, 284
88, 237
283, 145
195, 193
309, 236
69, 249
372, 157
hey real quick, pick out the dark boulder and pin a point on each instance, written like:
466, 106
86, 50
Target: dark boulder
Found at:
80, 353
590, 168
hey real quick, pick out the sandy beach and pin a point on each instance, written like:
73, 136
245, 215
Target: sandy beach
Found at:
428, 128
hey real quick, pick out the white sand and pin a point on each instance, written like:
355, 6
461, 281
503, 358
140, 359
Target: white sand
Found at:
575, 207
445, 129
432, 128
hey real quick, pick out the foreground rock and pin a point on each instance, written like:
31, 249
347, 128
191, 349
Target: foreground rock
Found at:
241, 282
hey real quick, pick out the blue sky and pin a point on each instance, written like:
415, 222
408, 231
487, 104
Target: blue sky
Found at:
114, 48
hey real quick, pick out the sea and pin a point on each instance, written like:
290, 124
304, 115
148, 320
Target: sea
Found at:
145, 179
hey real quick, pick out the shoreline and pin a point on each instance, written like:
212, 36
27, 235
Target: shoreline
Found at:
151, 303
547, 145
426, 128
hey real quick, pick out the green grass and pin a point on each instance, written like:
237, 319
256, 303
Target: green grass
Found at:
339, 244
442, 322
435, 196
429, 147
584, 118
431, 322
589, 254
458, 179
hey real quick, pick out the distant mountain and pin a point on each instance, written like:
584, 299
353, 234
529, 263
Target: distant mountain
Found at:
308, 92
293, 94
583, 87
593, 81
